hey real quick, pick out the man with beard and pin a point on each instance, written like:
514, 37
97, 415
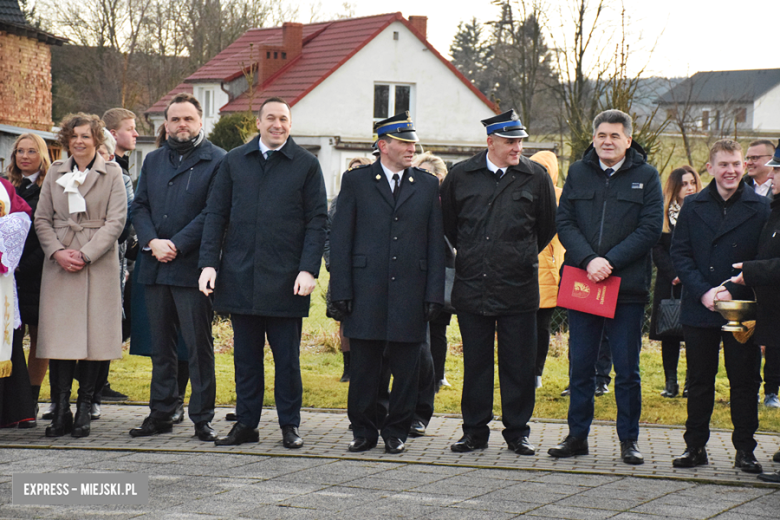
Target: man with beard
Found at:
168, 215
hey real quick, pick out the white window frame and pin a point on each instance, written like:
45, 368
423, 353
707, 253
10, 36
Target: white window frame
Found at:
391, 98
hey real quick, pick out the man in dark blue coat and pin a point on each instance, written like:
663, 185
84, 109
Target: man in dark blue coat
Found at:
168, 215
718, 227
387, 276
499, 212
610, 216
262, 246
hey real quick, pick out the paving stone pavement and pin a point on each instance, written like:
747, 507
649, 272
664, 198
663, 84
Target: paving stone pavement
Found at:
193, 479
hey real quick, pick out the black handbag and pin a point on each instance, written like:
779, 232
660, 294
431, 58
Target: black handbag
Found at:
667, 323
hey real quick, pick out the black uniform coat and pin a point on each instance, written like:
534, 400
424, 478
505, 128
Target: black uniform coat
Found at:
387, 257
619, 218
763, 273
265, 223
498, 229
28, 273
170, 204
706, 243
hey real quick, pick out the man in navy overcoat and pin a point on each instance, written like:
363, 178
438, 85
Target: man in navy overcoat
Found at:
387, 275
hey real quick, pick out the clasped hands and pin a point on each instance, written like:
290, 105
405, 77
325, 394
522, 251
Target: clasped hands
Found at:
599, 269
70, 260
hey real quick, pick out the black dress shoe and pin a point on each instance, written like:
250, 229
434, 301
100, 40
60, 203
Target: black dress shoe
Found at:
776, 456
601, 389
468, 443
770, 477
231, 416
521, 446
417, 429
570, 447
239, 434
95, 412
290, 438
152, 426
359, 444
746, 461
205, 432
566, 392
630, 453
178, 414
394, 445
691, 458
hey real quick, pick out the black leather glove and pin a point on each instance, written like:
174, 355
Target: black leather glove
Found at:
343, 306
432, 310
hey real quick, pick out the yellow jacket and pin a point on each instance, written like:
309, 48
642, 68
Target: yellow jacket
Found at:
551, 259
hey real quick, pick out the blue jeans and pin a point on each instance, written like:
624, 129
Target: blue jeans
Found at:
625, 341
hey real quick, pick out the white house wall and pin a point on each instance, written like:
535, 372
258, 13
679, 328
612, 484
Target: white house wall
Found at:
444, 109
766, 111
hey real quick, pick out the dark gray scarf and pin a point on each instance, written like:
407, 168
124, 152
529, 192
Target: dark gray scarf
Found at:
185, 148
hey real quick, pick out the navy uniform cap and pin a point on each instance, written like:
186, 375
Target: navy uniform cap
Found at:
507, 125
400, 127
775, 162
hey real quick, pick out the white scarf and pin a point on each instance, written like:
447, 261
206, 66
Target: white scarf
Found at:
71, 182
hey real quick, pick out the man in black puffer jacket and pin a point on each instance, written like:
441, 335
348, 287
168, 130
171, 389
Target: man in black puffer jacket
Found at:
609, 217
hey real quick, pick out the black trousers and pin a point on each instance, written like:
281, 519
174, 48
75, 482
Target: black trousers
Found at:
543, 318
771, 369
172, 309
516, 368
438, 331
284, 337
365, 382
426, 389
702, 348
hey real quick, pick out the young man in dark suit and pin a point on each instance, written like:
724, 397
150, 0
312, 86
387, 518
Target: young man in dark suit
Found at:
716, 228
387, 277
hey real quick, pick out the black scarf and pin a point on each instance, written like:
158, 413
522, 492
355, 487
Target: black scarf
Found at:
185, 148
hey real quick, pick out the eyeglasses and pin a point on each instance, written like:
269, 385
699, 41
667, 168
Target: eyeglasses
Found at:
755, 158
31, 152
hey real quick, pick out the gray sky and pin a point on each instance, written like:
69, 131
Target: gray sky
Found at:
692, 35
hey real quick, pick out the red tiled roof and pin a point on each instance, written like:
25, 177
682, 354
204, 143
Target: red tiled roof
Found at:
326, 46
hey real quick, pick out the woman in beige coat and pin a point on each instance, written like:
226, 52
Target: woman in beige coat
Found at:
80, 215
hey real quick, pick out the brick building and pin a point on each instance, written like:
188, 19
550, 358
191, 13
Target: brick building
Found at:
25, 77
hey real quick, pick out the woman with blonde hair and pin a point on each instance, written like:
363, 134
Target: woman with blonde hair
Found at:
29, 164
682, 181
81, 213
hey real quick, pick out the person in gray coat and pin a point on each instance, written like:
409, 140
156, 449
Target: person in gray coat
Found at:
261, 251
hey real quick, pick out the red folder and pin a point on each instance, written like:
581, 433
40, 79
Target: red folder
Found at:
580, 294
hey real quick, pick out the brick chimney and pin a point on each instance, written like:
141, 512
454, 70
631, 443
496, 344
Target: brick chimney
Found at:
420, 23
292, 39
274, 57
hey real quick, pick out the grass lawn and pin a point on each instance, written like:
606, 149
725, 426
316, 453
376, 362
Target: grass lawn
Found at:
321, 368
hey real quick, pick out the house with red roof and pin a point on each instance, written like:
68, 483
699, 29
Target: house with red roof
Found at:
339, 77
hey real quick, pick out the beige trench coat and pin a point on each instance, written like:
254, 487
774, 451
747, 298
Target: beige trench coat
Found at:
81, 312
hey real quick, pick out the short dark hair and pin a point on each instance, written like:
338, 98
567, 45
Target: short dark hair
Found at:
765, 142
724, 145
71, 121
184, 97
274, 99
614, 116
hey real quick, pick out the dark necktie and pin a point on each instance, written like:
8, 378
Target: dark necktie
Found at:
396, 186
499, 174
609, 172
268, 154
25, 183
